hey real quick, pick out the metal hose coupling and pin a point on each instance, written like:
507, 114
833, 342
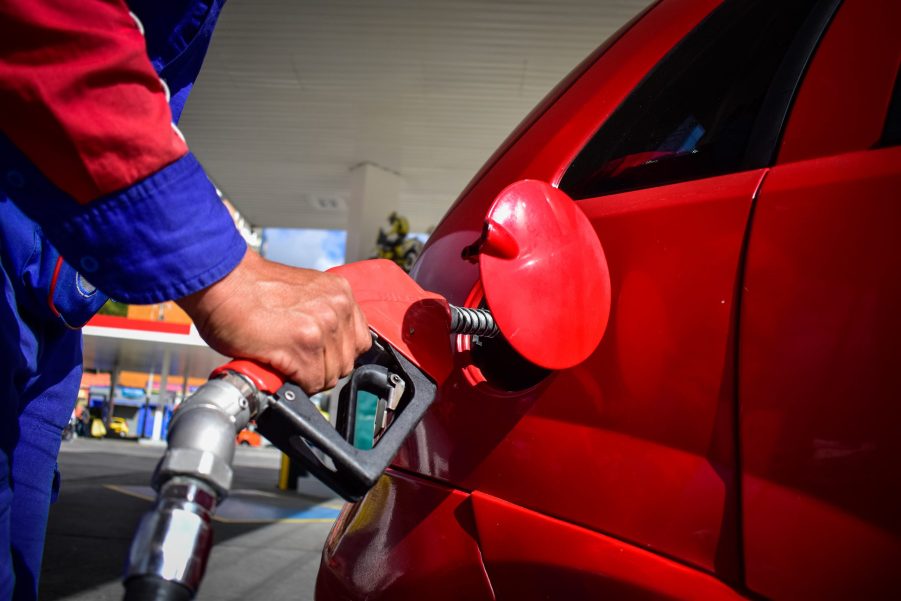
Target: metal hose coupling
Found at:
475, 322
173, 540
170, 549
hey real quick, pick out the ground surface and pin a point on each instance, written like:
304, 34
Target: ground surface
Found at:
268, 549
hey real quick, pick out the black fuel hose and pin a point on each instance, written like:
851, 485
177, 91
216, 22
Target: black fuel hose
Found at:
154, 588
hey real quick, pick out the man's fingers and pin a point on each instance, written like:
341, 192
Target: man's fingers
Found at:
307, 371
334, 362
348, 351
362, 336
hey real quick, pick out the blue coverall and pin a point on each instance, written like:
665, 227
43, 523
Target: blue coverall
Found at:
169, 229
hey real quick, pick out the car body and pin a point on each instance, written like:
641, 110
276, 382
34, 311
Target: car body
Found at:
118, 426
735, 433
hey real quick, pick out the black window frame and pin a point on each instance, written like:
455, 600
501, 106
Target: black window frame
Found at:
891, 129
768, 125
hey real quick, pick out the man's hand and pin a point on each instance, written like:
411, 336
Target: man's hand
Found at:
303, 323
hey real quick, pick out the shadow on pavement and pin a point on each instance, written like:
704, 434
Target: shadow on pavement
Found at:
92, 523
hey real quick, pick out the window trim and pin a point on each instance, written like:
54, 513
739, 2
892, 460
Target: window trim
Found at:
769, 124
891, 129
766, 133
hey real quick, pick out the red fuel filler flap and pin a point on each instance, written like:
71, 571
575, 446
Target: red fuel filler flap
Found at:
544, 274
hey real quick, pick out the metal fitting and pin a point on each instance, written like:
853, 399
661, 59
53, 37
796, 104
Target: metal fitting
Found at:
231, 394
203, 465
173, 541
202, 433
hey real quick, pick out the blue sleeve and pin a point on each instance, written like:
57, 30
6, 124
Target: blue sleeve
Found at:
163, 238
178, 34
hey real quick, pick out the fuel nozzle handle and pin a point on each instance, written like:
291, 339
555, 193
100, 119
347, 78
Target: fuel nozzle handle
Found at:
170, 549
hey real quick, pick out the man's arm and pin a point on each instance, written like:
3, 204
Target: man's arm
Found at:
91, 155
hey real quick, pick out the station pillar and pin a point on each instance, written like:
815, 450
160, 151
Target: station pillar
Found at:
107, 413
158, 433
375, 193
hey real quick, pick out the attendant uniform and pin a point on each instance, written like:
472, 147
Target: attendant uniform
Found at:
99, 196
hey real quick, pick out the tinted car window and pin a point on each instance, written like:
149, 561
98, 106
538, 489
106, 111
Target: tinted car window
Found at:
695, 114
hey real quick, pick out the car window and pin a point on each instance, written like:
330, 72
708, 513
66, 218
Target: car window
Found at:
696, 113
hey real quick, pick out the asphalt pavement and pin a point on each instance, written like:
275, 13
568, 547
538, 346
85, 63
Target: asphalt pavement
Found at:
267, 543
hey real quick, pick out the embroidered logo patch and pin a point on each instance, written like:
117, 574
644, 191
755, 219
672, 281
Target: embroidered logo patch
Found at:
85, 288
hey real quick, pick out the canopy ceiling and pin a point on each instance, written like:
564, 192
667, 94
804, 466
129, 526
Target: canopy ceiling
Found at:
293, 94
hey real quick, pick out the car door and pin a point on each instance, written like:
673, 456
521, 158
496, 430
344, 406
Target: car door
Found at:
663, 143
818, 373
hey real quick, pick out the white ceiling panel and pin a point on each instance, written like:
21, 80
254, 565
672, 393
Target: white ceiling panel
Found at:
295, 93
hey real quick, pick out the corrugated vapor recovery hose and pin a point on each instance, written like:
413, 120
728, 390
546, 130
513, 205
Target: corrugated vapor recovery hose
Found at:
476, 322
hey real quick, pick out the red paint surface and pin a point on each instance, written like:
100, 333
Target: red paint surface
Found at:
842, 104
637, 441
820, 328
144, 325
620, 476
406, 540
820, 384
532, 556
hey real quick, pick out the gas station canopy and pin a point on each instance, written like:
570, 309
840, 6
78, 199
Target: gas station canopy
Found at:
293, 96
113, 343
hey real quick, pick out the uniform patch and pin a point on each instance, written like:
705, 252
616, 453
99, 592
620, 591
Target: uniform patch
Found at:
85, 288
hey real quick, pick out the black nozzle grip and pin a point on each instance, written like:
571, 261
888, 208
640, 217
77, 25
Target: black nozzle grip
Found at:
293, 424
371, 378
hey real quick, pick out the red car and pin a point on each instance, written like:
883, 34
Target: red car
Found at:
737, 432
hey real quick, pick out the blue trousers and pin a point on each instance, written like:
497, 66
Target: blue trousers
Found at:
40, 372
33, 422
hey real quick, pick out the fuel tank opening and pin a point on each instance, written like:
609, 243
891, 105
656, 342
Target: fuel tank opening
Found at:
492, 360
502, 366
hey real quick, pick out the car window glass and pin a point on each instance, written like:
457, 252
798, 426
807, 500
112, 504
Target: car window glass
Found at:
693, 116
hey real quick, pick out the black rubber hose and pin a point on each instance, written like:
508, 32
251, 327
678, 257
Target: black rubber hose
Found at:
154, 588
